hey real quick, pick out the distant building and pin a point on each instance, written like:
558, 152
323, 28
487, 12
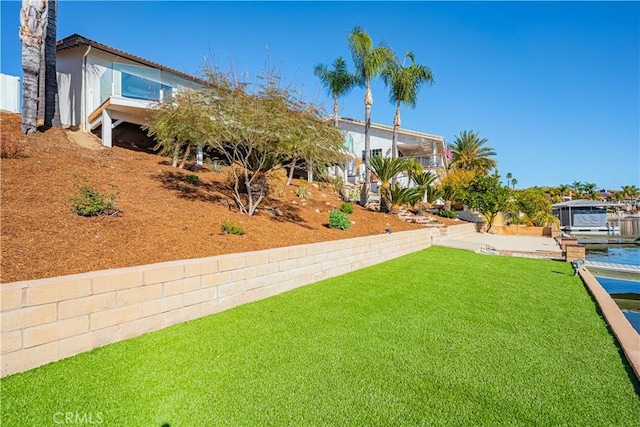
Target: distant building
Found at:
101, 87
587, 217
426, 148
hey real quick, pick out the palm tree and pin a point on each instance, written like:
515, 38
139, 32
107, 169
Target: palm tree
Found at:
405, 85
630, 192
369, 63
469, 154
563, 189
51, 109
412, 167
386, 169
338, 82
33, 20
578, 187
513, 183
424, 181
399, 196
590, 189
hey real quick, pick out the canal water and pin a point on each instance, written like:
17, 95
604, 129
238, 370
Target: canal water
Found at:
626, 293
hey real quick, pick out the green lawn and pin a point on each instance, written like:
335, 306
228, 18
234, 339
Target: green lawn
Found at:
439, 337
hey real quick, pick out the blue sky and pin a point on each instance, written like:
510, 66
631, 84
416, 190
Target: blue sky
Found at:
553, 86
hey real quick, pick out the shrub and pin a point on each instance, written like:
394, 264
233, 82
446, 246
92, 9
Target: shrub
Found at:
339, 220
192, 179
271, 183
91, 202
338, 184
448, 213
11, 148
229, 227
346, 208
354, 194
302, 191
276, 182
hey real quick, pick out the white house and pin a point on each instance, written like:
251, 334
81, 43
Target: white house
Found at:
426, 148
10, 93
100, 86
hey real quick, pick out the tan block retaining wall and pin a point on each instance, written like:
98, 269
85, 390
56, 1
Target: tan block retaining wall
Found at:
49, 319
522, 230
456, 231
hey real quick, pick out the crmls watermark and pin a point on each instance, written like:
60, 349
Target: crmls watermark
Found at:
77, 418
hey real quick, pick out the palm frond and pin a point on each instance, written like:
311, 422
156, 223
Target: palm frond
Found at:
468, 153
386, 168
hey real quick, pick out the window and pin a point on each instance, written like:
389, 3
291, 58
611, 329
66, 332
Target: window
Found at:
141, 88
374, 152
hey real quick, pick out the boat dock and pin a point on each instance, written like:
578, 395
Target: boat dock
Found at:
616, 271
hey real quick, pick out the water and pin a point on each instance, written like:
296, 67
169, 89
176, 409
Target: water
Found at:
617, 254
634, 318
626, 293
619, 286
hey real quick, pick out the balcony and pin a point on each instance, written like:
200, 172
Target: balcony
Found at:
428, 162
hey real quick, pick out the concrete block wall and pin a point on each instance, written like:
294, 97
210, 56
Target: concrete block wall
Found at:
457, 231
50, 319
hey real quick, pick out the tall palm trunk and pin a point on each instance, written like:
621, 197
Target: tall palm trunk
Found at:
396, 125
335, 109
368, 101
33, 18
385, 198
394, 140
51, 106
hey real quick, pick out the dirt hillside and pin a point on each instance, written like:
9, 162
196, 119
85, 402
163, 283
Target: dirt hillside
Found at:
163, 217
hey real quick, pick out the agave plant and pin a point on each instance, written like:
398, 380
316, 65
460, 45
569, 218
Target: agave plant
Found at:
386, 169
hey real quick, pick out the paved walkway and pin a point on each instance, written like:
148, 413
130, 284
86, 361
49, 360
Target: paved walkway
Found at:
477, 241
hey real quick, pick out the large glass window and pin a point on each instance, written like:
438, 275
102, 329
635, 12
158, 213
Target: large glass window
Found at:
140, 82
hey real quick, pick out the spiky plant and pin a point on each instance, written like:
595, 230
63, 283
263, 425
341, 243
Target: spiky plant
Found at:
412, 167
386, 169
399, 196
424, 181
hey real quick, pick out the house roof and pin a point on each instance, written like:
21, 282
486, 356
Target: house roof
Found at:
75, 40
581, 203
390, 129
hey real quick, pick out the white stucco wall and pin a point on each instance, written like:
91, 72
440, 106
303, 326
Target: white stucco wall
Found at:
10, 93
98, 64
69, 72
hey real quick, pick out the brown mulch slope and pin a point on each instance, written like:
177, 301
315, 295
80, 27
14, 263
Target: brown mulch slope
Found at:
163, 218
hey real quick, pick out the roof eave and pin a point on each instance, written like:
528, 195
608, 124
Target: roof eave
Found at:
75, 40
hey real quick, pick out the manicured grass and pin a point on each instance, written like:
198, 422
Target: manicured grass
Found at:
440, 337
